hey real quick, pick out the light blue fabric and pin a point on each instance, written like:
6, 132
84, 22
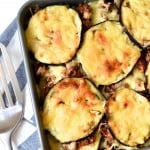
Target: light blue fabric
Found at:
32, 142
6, 36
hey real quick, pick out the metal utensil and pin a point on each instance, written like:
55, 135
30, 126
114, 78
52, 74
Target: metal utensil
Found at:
11, 99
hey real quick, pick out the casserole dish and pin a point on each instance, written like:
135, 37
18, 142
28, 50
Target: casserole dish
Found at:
126, 67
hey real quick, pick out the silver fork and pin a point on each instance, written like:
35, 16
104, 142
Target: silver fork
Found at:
11, 99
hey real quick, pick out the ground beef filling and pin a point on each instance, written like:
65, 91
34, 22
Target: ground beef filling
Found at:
85, 13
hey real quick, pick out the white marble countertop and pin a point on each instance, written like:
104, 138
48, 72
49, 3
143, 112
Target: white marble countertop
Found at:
8, 11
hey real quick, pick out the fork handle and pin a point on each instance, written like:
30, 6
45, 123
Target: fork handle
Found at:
5, 138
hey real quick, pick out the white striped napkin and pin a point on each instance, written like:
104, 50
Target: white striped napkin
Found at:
26, 137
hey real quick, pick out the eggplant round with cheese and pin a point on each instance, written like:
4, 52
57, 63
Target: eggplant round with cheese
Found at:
128, 117
107, 55
53, 34
135, 15
72, 109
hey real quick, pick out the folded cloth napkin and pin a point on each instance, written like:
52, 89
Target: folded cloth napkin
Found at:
26, 137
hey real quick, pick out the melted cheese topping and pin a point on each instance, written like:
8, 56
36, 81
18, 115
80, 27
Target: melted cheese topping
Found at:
53, 34
136, 18
72, 109
107, 55
100, 12
136, 80
58, 72
128, 117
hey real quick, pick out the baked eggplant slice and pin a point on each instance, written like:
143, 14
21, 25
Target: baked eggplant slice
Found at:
129, 117
107, 55
53, 34
72, 109
135, 16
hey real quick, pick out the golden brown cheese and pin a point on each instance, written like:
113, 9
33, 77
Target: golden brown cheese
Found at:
136, 17
53, 34
72, 109
128, 117
107, 55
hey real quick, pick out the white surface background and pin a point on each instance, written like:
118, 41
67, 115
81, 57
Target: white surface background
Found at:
8, 11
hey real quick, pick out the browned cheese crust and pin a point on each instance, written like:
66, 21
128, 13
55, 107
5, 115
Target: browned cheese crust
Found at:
53, 34
128, 117
72, 109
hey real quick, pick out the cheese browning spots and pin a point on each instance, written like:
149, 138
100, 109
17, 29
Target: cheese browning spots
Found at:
128, 117
49, 31
72, 109
112, 53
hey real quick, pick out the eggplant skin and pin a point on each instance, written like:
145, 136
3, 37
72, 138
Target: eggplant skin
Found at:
128, 117
135, 16
53, 34
107, 55
89, 143
73, 108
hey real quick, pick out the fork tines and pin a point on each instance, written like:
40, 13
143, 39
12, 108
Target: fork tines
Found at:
10, 93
